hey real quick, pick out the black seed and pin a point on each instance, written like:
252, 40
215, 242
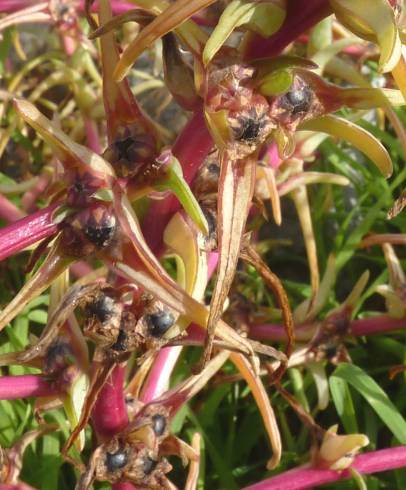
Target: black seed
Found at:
211, 221
149, 465
100, 236
123, 148
299, 100
58, 355
159, 323
331, 351
158, 424
249, 130
214, 169
102, 308
117, 460
121, 342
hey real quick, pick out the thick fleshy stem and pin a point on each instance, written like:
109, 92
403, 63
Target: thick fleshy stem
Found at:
358, 328
123, 486
301, 15
164, 363
306, 477
110, 412
92, 135
27, 231
25, 386
9, 211
191, 148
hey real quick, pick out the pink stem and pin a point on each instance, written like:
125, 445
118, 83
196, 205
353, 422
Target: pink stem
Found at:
25, 386
301, 15
376, 324
158, 377
30, 197
92, 135
9, 211
303, 478
7, 6
110, 412
191, 148
26, 231
358, 328
125, 485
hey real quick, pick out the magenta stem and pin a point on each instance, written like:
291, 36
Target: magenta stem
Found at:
123, 486
25, 386
191, 149
375, 325
303, 478
30, 197
358, 328
28, 230
92, 135
9, 211
300, 16
110, 412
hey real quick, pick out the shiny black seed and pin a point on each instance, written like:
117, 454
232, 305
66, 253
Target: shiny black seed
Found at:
211, 221
57, 357
214, 169
100, 236
123, 148
331, 352
121, 342
158, 424
299, 100
149, 465
249, 130
159, 323
117, 460
102, 308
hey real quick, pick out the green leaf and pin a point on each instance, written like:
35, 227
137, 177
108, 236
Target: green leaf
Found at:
343, 402
375, 396
38, 316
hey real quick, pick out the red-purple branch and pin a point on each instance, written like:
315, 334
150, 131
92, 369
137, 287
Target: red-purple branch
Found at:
110, 412
358, 328
191, 148
303, 478
301, 16
28, 230
25, 386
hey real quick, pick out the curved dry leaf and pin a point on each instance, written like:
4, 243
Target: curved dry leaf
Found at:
236, 187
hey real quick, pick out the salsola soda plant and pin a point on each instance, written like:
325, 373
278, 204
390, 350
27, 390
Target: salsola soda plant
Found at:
169, 319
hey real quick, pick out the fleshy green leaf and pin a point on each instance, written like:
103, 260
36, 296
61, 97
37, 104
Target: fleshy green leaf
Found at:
375, 396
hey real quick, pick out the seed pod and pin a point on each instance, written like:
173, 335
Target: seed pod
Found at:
298, 104
133, 154
89, 231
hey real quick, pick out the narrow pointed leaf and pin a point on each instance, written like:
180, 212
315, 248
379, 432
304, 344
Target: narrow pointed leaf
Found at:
372, 20
375, 396
51, 268
172, 17
119, 102
175, 182
264, 405
264, 18
69, 152
355, 135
